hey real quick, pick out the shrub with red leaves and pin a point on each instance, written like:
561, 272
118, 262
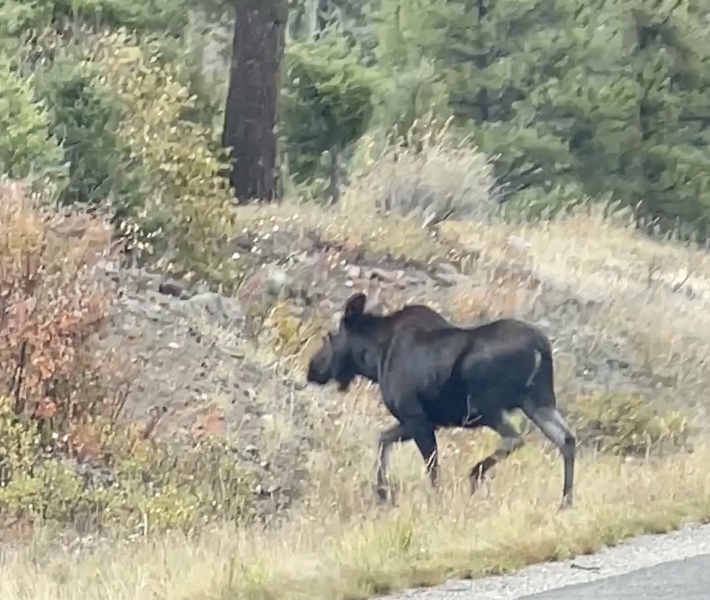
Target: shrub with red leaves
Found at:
53, 299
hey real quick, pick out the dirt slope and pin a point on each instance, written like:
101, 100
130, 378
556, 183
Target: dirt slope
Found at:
206, 363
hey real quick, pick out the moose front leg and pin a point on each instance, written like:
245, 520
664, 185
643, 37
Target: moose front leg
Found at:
396, 433
425, 438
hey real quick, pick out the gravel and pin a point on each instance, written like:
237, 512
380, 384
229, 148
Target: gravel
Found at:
636, 553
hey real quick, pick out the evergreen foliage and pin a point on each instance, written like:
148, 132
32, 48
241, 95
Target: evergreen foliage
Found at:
25, 142
326, 103
571, 100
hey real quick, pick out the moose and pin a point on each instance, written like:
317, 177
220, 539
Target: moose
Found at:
433, 374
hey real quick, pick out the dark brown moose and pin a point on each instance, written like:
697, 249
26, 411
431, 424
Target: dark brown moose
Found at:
433, 374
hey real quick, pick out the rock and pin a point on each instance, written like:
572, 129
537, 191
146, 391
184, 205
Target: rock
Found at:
617, 363
138, 279
354, 272
171, 288
146, 309
517, 243
277, 282
252, 450
215, 308
244, 243
109, 266
382, 275
447, 274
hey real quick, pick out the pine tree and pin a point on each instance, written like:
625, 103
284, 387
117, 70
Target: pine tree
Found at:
252, 98
407, 42
636, 104
672, 69
498, 54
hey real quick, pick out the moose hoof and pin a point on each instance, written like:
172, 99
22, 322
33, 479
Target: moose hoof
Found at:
474, 484
566, 503
380, 495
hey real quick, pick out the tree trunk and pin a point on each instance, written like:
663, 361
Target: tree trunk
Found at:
254, 84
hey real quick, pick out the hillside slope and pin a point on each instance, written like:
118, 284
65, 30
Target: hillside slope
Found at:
233, 367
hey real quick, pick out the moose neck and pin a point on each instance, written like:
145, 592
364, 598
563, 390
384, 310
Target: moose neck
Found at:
374, 334
368, 363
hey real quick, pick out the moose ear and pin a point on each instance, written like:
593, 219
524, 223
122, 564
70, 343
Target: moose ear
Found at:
355, 305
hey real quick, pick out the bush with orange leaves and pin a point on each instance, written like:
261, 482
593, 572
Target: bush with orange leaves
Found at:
62, 457
52, 300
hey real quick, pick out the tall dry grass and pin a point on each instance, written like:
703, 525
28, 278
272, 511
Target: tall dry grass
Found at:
343, 547
339, 544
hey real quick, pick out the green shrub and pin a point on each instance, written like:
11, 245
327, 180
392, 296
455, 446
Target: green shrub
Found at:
25, 142
186, 218
112, 478
19, 16
427, 174
325, 105
84, 117
85, 120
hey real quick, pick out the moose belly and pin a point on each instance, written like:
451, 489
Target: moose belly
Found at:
456, 407
452, 407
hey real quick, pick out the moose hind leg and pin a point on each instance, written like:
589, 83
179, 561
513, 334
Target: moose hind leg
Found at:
510, 441
396, 433
551, 423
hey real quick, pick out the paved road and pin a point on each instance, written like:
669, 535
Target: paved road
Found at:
649, 567
687, 579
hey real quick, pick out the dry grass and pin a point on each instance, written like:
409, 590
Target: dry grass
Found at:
637, 283
653, 298
354, 221
340, 545
343, 547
